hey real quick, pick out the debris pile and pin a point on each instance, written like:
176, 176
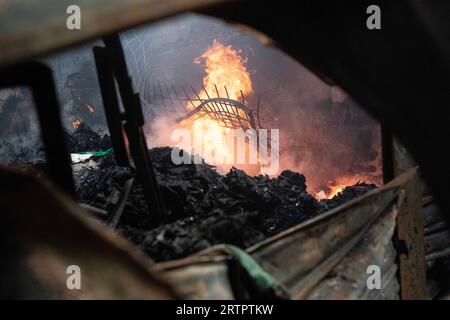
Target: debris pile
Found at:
203, 206
207, 208
349, 193
86, 139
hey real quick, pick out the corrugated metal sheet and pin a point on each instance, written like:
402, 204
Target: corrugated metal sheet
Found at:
340, 243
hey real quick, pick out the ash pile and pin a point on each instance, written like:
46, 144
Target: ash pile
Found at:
203, 207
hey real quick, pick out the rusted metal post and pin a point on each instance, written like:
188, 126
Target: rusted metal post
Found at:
410, 221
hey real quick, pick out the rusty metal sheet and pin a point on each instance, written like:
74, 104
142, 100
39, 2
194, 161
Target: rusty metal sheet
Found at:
301, 256
348, 280
54, 233
30, 28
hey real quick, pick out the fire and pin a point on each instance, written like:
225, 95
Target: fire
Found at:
334, 190
225, 68
90, 108
76, 123
335, 187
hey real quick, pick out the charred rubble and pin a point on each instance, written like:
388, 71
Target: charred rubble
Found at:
203, 206
85, 139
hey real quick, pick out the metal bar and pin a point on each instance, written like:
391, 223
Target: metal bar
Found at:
38, 77
133, 128
162, 96
155, 98
111, 105
226, 91
114, 217
178, 97
97, 211
224, 107
437, 255
205, 105
169, 97
257, 111
213, 103
189, 98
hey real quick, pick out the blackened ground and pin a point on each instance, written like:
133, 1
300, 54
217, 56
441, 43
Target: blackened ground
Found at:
16, 149
204, 207
86, 139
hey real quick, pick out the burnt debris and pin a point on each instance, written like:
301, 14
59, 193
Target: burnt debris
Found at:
85, 139
204, 207
346, 195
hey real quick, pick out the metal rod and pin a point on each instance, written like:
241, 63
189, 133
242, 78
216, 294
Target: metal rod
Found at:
213, 103
162, 96
94, 210
226, 91
115, 215
111, 105
257, 111
169, 97
205, 106
134, 121
189, 98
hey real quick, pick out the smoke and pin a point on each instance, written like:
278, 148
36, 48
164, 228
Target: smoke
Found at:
323, 133
161, 130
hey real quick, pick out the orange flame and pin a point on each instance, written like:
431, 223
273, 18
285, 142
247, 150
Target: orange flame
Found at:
335, 187
334, 190
224, 67
90, 108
